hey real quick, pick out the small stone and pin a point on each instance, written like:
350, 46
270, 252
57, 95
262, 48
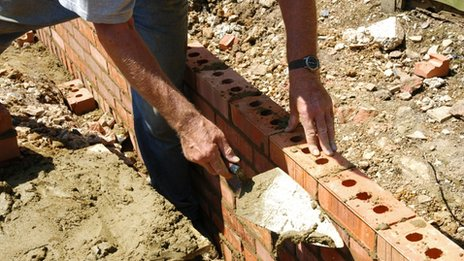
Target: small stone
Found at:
440, 114
446, 42
433, 49
324, 13
417, 135
415, 38
388, 73
395, 54
457, 109
383, 94
434, 82
405, 96
339, 46
423, 199
368, 154
446, 132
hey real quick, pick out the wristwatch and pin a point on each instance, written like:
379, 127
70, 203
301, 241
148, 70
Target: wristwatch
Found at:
309, 62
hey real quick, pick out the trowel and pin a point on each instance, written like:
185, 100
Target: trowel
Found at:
273, 200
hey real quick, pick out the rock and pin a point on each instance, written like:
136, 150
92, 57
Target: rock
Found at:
388, 73
364, 114
357, 37
324, 13
405, 96
417, 135
368, 154
411, 84
415, 38
423, 199
367, 86
433, 49
440, 114
414, 168
434, 82
6, 201
383, 94
395, 54
103, 249
339, 46
258, 69
447, 42
388, 33
457, 109
266, 3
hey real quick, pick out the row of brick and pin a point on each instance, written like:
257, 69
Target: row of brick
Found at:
371, 221
8, 141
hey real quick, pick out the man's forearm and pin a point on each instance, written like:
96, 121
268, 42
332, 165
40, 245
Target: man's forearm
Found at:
138, 65
300, 18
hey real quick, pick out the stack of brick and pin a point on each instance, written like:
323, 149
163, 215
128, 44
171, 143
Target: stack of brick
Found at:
8, 142
373, 224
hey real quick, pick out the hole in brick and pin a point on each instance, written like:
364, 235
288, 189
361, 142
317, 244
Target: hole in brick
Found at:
255, 103
363, 196
227, 81
322, 161
74, 89
380, 209
236, 89
296, 138
433, 253
266, 113
275, 122
79, 95
194, 54
349, 182
305, 150
217, 73
414, 237
202, 61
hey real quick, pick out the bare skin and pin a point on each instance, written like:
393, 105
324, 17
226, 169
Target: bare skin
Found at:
310, 102
202, 142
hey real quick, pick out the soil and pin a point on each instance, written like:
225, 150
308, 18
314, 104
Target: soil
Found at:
61, 201
69, 196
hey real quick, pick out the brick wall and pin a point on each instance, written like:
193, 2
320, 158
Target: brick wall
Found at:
373, 224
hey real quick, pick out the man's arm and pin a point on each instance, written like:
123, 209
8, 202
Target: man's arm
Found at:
310, 103
202, 142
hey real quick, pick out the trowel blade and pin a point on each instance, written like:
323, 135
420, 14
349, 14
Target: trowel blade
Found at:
276, 202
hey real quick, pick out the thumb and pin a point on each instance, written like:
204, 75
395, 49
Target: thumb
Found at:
227, 151
292, 122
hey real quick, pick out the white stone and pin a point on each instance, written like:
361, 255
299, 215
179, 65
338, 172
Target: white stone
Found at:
417, 135
446, 42
440, 114
434, 82
415, 38
388, 33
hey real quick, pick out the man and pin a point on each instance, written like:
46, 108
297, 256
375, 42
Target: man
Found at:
147, 41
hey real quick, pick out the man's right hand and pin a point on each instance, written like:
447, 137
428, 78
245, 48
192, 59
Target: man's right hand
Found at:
204, 143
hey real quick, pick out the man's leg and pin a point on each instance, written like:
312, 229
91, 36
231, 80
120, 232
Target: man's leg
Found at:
163, 26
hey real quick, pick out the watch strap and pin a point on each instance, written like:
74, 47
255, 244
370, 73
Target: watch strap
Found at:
308, 62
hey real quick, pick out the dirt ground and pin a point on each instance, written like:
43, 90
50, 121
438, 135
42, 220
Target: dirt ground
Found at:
69, 197
63, 201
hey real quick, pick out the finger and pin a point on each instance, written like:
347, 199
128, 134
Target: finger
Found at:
292, 122
227, 151
218, 165
331, 131
322, 133
311, 137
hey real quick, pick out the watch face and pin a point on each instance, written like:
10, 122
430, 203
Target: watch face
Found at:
311, 63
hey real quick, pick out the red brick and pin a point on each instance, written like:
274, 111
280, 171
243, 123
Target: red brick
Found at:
331, 254
82, 41
9, 145
81, 101
118, 78
227, 193
227, 253
267, 238
249, 255
437, 66
258, 117
98, 57
227, 41
263, 253
261, 163
358, 252
111, 86
232, 238
415, 239
220, 87
57, 39
345, 216
204, 107
294, 146
5, 119
235, 139
236, 225
200, 59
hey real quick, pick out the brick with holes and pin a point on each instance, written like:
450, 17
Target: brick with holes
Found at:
200, 59
258, 118
220, 87
360, 205
81, 101
415, 239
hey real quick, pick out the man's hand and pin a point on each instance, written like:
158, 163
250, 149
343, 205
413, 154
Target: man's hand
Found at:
204, 143
311, 105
